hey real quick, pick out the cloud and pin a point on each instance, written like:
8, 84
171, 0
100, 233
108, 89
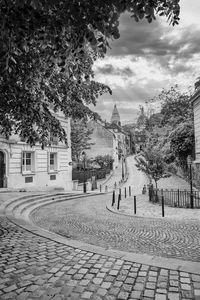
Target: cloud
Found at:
155, 40
109, 69
147, 58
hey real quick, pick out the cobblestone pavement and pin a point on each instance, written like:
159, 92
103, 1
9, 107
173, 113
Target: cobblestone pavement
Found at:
32, 267
88, 221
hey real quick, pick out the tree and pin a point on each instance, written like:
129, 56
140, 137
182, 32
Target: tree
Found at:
104, 161
80, 138
47, 49
173, 132
152, 164
176, 106
182, 141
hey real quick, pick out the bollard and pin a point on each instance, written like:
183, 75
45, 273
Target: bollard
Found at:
178, 196
100, 188
120, 194
106, 189
163, 207
118, 201
125, 192
129, 191
135, 205
113, 198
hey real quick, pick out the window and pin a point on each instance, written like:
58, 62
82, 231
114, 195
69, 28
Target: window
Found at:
53, 139
28, 162
52, 162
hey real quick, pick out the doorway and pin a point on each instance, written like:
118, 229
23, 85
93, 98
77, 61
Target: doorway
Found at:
2, 169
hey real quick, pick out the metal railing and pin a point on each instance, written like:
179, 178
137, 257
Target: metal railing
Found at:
175, 198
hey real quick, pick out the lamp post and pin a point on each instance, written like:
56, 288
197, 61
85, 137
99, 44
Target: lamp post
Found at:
84, 181
189, 160
122, 166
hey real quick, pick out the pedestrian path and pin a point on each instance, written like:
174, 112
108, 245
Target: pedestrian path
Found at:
147, 209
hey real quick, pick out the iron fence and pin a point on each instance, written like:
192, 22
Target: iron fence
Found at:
175, 198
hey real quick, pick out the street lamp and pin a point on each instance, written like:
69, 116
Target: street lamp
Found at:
84, 181
122, 166
189, 160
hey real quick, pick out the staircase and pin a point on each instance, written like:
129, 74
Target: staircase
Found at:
20, 208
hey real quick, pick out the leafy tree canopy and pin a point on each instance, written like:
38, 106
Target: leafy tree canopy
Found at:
47, 49
176, 106
104, 160
152, 164
182, 140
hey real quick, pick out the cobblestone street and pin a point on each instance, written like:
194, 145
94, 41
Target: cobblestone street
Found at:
32, 267
89, 221
43, 267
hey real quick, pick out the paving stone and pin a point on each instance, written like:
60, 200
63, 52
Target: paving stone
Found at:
197, 292
123, 295
151, 285
106, 285
148, 293
10, 288
185, 287
136, 294
86, 295
185, 279
97, 280
187, 294
173, 296
160, 297
114, 291
101, 292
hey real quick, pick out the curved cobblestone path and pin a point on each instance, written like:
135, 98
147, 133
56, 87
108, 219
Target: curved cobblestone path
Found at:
88, 220
34, 267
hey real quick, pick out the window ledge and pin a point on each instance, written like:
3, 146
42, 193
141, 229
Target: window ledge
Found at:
53, 172
28, 173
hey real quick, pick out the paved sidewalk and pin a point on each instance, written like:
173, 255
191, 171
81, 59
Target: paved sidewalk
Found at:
34, 267
147, 209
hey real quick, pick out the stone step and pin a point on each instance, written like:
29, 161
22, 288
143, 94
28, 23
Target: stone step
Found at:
17, 202
25, 213
54, 198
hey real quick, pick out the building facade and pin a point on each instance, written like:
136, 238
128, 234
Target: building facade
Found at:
104, 142
31, 168
196, 109
123, 139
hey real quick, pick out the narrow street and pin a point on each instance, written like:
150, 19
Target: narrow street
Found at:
136, 179
89, 221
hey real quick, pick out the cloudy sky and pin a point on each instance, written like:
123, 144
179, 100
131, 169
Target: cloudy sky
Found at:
148, 58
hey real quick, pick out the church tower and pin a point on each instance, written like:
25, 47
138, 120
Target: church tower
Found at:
115, 116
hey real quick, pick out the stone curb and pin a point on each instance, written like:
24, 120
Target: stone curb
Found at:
114, 211
167, 263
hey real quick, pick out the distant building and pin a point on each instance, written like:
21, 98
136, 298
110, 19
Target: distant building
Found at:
115, 118
123, 138
196, 108
30, 168
109, 138
104, 142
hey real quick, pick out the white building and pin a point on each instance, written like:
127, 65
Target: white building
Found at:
31, 168
104, 142
196, 109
